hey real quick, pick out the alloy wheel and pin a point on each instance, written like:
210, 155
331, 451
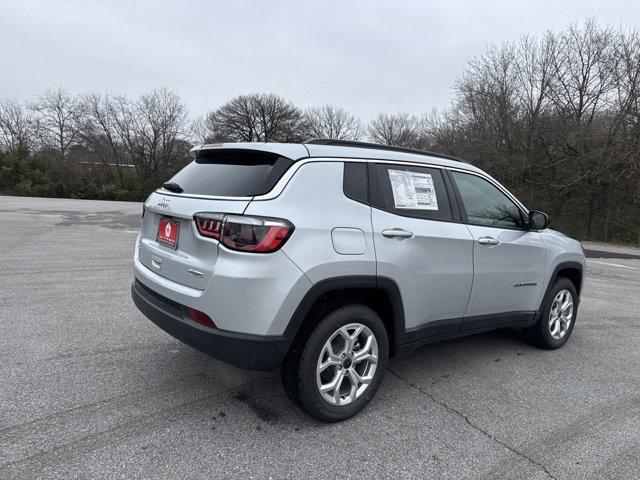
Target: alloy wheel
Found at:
561, 314
347, 364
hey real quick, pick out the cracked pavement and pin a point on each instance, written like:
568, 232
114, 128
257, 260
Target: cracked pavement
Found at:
91, 389
473, 425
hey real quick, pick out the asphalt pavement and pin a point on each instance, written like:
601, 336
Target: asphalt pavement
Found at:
91, 389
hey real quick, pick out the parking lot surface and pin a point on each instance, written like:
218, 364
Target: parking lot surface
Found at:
92, 389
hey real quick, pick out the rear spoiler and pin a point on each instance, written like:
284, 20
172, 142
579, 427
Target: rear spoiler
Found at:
292, 151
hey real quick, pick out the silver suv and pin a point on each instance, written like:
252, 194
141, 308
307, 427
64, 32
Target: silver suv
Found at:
325, 258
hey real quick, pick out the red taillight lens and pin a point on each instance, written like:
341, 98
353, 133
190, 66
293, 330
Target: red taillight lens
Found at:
209, 224
245, 233
202, 318
249, 234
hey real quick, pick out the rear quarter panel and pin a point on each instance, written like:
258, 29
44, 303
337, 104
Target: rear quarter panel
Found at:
315, 203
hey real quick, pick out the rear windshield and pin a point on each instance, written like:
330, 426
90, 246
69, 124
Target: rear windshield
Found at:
232, 173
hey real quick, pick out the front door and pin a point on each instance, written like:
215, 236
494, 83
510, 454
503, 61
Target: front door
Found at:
509, 258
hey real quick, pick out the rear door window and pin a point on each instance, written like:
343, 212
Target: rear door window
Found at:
232, 173
410, 191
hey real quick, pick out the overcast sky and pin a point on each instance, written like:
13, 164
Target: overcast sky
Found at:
368, 56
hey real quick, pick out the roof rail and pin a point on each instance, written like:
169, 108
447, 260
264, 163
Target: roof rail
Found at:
377, 146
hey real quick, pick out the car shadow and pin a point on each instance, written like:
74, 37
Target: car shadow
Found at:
260, 395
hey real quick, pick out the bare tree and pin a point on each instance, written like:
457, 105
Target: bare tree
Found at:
257, 117
200, 130
153, 131
97, 130
161, 127
399, 129
533, 68
332, 122
18, 128
487, 100
57, 114
581, 90
582, 71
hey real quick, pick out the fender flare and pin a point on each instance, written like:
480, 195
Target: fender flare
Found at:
569, 264
345, 283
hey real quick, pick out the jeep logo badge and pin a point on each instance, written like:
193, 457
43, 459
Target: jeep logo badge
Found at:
164, 203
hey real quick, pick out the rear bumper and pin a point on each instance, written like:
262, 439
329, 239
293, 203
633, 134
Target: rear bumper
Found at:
251, 352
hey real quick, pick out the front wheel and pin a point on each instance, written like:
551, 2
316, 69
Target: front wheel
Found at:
340, 366
558, 316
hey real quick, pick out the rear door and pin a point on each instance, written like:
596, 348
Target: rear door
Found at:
422, 246
509, 259
220, 180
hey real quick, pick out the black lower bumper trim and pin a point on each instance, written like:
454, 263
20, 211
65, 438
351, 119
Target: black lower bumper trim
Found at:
251, 352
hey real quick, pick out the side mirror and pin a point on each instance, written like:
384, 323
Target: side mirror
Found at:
538, 220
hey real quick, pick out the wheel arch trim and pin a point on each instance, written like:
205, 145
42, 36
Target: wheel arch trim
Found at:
335, 284
566, 265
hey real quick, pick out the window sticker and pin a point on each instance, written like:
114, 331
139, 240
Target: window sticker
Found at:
413, 190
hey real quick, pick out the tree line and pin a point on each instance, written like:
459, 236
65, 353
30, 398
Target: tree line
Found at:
555, 118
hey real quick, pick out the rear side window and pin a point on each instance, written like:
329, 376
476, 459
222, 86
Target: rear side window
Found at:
355, 183
232, 173
410, 191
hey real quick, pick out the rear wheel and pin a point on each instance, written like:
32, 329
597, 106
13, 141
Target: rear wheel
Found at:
558, 316
337, 371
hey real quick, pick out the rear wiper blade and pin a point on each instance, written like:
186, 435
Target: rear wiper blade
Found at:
172, 187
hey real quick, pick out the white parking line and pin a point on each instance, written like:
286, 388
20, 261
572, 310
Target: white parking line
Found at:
612, 264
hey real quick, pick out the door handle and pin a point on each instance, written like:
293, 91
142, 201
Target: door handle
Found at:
396, 233
488, 241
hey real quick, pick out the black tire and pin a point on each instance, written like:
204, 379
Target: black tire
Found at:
299, 368
539, 334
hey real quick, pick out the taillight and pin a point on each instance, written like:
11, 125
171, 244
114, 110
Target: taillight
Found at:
209, 224
245, 233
